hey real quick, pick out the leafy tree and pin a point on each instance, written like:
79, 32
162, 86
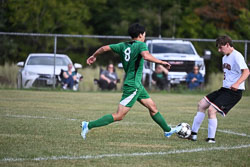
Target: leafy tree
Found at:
168, 18
38, 16
195, 27
243, 24
222, 12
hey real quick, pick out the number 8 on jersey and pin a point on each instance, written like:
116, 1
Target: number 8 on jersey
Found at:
127, 54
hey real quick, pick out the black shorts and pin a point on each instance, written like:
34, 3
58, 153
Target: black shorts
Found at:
224, 99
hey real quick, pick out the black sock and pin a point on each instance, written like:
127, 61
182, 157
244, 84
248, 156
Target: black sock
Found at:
193, 133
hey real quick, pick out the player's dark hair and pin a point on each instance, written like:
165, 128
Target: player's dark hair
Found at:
223, 40
135, 30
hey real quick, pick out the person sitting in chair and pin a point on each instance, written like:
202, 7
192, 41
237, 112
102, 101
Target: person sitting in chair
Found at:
108, 78
194, 79
69, 77
160, 77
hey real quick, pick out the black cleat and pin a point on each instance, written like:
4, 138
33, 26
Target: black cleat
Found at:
193, 136
210, 140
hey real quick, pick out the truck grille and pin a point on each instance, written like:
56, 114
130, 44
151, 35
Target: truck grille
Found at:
39, 83
42, 80
45, 76
181, 66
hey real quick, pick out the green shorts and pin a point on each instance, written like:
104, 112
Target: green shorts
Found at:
131, 95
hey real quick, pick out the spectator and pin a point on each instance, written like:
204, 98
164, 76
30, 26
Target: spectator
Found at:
160, 77
194, 79
69, 78
108, 78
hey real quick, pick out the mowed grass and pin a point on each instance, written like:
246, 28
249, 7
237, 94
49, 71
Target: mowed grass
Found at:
42, 128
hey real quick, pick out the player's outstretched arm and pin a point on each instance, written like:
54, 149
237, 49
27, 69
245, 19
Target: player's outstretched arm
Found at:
147, 56
99, 51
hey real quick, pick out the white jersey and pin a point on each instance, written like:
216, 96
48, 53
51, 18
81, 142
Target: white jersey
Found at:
232, 66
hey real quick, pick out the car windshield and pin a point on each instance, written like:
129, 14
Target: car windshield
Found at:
47, 61
172, 48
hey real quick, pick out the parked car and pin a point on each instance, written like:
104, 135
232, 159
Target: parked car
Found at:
38, 70
180, 54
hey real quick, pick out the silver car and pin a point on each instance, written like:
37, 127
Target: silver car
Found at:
38, 70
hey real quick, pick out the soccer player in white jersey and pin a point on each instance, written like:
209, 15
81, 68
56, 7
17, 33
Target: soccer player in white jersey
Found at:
221, 101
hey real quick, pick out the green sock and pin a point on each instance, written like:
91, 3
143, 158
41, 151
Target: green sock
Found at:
161, 122
105, 120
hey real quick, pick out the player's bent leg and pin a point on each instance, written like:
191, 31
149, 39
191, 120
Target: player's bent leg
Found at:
212, 124
121, 112
198, 119
203, 105
110, 118
158, 118
105, 120
86, 126
150, 104
211, 112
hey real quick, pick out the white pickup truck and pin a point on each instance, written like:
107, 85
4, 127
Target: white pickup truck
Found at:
180, 54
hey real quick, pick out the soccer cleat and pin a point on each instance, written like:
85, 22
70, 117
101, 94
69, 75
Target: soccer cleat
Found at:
172, 131
210, 140
85, 129
193, 136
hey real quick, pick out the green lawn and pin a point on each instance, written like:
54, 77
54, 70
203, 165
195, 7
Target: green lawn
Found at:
42, 128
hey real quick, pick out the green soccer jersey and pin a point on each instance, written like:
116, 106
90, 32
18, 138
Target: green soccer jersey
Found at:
132, 61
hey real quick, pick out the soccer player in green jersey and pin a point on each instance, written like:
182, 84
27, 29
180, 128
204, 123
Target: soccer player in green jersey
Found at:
132, 54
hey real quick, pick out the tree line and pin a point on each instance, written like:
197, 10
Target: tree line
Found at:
162, 18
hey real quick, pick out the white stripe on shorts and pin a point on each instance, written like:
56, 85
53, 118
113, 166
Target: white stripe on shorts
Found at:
125, 101
216, 107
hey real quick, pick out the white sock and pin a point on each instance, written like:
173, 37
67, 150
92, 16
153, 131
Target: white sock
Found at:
198, 119
212, 126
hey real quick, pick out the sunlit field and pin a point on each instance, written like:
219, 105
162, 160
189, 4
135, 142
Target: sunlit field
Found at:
42, 128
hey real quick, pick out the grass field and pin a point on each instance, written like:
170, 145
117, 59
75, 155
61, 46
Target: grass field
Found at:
41, 128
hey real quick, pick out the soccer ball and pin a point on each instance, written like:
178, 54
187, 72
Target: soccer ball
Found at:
185, 131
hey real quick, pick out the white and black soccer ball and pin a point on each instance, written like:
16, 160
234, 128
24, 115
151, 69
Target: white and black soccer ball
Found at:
185, 131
